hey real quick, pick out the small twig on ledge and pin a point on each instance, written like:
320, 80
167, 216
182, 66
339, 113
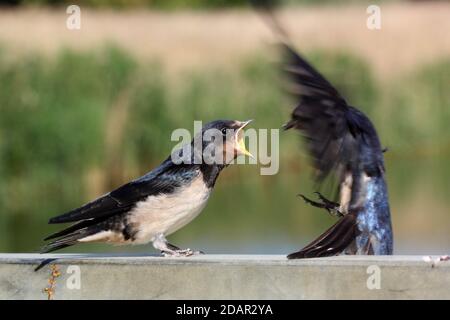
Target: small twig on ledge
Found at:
50, 289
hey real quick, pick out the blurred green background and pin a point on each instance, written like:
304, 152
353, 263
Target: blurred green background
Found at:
75, 124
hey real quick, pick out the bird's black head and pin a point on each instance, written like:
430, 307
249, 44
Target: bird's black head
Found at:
220, 142
213, 148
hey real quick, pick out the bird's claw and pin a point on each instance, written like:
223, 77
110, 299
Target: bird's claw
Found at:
331, 206
181, 253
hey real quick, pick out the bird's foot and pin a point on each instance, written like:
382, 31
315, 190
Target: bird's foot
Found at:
180, 252
169, 250
331, 206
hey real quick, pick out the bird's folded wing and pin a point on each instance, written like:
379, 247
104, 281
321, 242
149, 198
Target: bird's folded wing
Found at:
162, 180
101, 207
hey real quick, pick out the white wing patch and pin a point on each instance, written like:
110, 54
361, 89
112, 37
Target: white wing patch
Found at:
104, 236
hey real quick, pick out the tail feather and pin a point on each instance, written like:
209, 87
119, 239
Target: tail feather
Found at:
330, 235
67, 239
333, 241
55, 246
63, 242
76, 227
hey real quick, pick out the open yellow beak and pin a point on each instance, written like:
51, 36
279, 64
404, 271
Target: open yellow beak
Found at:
240, 139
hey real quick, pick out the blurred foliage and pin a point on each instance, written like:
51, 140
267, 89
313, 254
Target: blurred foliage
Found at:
420, 106
75, 126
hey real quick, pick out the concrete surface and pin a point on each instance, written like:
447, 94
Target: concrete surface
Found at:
85, 276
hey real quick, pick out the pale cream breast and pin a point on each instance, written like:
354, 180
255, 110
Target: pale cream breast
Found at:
346, 193
165, 214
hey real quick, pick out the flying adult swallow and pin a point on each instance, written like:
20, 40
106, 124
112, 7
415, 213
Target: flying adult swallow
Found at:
342, 140
159, 203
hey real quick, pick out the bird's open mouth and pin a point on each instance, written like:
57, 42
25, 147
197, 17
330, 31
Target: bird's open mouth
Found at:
240, 142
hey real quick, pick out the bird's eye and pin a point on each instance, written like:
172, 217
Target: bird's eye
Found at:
224, 131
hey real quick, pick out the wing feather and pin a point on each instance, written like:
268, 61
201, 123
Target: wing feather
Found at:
322, 116
164, 179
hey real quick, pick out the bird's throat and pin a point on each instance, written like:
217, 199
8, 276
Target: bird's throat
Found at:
210, 172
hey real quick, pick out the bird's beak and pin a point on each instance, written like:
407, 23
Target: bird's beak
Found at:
240, 139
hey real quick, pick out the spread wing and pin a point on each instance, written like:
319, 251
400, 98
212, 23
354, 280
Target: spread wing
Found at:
322, 116
340, 139
332, 129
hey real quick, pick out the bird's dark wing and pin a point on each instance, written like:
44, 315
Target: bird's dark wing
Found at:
103, 206
309, 82
329, 125
164, 179
322, 116
340, 139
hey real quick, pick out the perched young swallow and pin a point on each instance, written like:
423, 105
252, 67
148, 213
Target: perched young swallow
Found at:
341, 139
162, 201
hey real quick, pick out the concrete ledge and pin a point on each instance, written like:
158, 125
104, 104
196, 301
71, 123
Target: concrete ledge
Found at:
224, 277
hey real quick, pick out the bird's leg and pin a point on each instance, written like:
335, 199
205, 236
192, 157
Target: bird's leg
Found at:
331, 206
326, 201
169, 250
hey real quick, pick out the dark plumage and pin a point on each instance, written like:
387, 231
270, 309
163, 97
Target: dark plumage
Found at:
156, 204
342, 140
